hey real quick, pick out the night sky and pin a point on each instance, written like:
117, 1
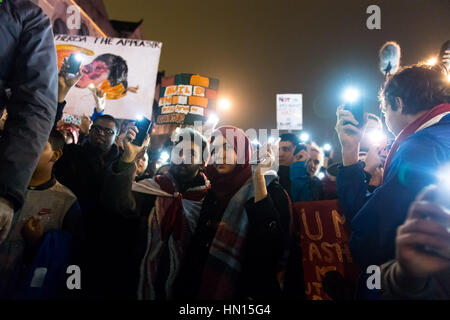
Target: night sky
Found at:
258, 48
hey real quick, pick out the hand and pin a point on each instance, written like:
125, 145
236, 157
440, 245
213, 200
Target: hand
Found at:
259, 182
266, 163
85, 125
6, 217
373, 121
60, 123
3, 119
66, 82
418, 232
377, 177
303, 155
372, 160
349, 135
131, 150
99, 97
32, 231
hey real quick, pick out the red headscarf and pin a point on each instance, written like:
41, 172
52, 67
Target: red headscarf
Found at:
224, 186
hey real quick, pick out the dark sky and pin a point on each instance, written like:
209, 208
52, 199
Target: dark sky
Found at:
258, 48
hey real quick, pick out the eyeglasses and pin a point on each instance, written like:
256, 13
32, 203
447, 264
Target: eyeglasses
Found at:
106, 131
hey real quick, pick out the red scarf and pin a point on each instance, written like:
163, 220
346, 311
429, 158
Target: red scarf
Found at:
225, 186
412, 128
172, 222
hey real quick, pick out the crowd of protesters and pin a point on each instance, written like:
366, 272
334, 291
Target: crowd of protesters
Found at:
217, 226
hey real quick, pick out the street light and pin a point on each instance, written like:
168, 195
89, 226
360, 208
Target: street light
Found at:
224, 104
431, 62
304, 137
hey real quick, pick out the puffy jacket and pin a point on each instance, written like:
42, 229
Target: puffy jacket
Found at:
29, 69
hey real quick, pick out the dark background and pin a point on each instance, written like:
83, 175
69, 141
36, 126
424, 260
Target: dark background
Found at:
258, 48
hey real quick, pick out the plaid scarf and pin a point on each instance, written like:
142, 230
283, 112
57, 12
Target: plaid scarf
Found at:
223, 265
171, 223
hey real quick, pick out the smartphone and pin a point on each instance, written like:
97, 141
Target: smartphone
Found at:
357, 109
74, 63
144, 126
300, 147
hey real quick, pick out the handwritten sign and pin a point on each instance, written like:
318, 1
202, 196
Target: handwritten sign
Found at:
186, 98
324, 242
289, 111
124, 69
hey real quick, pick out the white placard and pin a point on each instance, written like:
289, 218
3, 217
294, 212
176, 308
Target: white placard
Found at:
125, 69
290, 111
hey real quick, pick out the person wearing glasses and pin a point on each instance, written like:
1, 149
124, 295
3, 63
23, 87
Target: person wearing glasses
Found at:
82, 169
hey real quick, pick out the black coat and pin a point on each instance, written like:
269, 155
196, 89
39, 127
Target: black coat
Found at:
267, 240
106, 247
29, 69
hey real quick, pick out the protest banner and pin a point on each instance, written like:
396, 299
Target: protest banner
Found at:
124, 69
186, 98
324, 235
289, 111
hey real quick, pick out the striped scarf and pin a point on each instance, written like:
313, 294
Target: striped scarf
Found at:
223, 265
171, 223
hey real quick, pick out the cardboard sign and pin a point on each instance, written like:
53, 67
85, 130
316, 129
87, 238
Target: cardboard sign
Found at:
185, 99
125, 69
324, 242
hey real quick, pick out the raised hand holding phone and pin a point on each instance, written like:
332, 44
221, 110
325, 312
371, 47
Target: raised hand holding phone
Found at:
66, 79
350, 134
131, 150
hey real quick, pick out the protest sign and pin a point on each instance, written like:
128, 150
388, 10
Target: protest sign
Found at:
324, 241
125, 69
289, 111
186, 98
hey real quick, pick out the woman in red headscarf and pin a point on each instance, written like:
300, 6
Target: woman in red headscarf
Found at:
241, 241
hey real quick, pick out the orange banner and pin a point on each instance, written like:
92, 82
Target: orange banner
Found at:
324, 242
